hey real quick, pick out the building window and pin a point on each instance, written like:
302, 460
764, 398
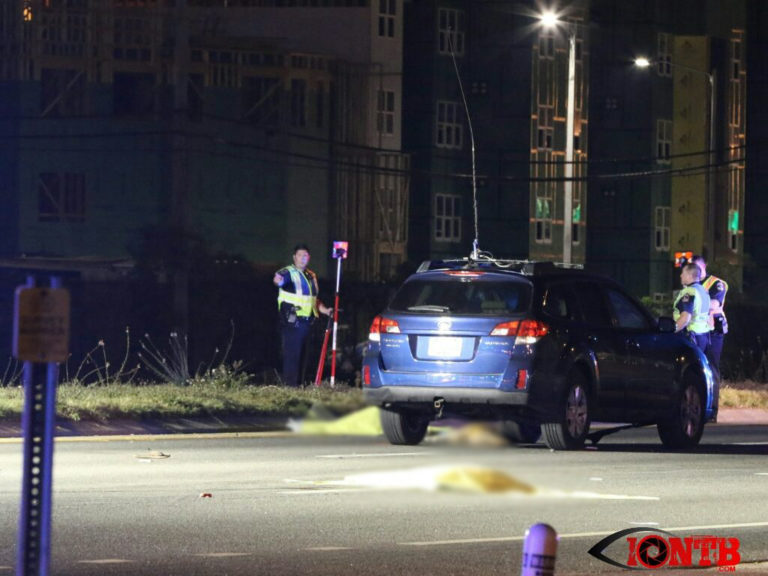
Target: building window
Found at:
450, 36
385, 112
62, 93
133, 94
387, 12
448, 217
261, 99
298, 103
546, 44
61, 197
320, 105
736, 58
450, 132
576, 214
543, 219
661, 226
132, 39
224, 68
735, 188
663, 140
664, 55
546, 127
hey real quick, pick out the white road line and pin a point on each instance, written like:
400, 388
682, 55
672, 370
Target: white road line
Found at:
309, 490
583, 534
223, 554
641, 523
106, 561
386, 455
328, 548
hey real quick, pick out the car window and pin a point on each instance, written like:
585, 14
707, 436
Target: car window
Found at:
558, 303
626, 312
592, 304
462, 297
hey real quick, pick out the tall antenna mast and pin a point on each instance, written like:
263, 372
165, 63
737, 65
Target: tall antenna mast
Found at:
476, 241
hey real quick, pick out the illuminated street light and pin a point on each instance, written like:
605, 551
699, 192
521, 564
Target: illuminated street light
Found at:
551, 20
711, 78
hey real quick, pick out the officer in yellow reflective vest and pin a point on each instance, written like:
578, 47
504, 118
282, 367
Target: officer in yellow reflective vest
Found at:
298, 306
717, 288
691, 308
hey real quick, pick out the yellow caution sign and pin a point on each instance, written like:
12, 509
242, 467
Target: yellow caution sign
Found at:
41, 324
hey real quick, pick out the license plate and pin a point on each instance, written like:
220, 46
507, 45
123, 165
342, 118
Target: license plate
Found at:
444, 347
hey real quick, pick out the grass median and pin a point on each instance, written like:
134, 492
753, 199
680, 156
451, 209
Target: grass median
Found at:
201, 398
120, 401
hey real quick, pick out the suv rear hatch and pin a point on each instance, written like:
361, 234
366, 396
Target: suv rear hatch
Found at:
461, 322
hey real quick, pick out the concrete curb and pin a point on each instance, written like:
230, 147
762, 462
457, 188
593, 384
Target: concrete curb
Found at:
235, 424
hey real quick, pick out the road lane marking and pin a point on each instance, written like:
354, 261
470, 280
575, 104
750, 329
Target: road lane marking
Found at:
642, 523
223, 554
580, 534
106, 561
384, 455
311, 490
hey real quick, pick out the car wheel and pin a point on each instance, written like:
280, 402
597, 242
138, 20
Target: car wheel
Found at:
403, 427
570, 431
683, 429
521, 432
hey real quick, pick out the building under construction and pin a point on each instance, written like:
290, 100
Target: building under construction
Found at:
249, 125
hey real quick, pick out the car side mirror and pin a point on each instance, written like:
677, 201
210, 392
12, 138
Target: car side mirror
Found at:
666, 324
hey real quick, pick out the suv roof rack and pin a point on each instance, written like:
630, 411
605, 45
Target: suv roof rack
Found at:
527, 267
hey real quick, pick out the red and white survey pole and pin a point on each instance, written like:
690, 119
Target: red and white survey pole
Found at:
339, 254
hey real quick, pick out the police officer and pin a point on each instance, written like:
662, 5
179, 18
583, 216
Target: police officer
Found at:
691, 308
717, 289
298, 305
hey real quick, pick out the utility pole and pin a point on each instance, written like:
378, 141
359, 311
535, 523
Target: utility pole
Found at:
179, 209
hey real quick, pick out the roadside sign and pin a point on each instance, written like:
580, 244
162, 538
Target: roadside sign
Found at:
41, 324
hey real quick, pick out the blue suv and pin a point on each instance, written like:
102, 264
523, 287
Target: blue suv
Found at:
540, 348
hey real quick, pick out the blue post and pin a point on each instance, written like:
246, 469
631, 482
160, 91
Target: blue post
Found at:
38, 424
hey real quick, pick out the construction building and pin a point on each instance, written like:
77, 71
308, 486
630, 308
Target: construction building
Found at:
252, 125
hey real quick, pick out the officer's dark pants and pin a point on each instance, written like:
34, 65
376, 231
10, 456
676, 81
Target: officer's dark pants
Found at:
701, 340
704, 342
715, 348
294, 337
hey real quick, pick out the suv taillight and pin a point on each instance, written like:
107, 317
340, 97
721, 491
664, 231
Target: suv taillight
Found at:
505, 328
526, 331
530, 331
381, 324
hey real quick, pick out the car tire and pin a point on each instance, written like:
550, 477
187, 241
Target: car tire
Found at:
403, 427
569, 431
683, 429
520, 432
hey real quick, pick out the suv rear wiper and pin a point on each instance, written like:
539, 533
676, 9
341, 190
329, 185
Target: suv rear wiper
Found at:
428, 308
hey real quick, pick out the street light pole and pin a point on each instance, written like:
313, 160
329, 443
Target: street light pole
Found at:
568, 188
711, 181
552, 20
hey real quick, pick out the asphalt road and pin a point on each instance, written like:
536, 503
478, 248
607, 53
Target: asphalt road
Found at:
286, 504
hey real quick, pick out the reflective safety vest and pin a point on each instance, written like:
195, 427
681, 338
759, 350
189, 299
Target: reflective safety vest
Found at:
305, 303
699, 323
709, 282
